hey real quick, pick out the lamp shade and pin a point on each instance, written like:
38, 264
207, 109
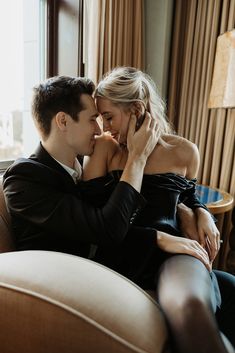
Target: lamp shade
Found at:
222, 93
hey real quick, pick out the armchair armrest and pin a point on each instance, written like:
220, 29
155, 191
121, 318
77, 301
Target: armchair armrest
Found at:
53, 302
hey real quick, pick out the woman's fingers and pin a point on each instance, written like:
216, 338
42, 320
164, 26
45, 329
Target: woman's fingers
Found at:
208, 232
179, 245
201, 236
211, 245
217, 237
131, 127
199, 252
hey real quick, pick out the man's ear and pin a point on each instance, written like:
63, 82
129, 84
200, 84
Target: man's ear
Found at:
61, 120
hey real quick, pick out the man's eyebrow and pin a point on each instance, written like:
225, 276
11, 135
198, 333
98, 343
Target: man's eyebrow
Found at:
95, 115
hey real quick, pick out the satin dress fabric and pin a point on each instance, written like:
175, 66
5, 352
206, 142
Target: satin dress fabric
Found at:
162, 192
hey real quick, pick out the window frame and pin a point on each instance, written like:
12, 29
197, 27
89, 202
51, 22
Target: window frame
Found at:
4, 164
52, 40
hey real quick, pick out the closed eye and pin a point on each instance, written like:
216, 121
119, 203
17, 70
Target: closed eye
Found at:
106, 116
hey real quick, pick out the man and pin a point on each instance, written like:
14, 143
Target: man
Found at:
41, 191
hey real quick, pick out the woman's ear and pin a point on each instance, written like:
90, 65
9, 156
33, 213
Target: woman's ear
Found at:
61, 120
137, 109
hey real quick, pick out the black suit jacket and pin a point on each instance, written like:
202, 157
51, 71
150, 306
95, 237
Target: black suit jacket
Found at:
48, 212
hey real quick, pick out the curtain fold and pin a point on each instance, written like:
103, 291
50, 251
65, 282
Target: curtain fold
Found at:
197, 24
114, 31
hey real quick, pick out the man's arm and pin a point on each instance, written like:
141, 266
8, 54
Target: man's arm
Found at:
36, 194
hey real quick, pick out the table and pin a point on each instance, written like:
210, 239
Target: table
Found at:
216, 200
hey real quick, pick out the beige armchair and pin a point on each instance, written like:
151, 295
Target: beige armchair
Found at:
57, 303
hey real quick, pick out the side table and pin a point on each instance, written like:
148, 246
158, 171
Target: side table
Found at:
216, 200
219, 202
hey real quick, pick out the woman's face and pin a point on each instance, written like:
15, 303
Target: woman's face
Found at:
115, 119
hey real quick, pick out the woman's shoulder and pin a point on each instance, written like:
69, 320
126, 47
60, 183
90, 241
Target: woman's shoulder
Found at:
181, 144
186, 152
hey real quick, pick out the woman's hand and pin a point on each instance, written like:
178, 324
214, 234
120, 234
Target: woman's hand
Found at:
209, 235
178, 245
188, 222
200, 226
141, 143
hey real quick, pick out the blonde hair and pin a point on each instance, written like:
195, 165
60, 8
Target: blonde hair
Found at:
124, 86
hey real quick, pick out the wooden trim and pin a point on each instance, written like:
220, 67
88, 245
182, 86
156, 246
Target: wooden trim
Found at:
52, 37
221, 206
80, 38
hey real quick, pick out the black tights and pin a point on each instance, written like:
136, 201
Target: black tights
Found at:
186, 296
225, 315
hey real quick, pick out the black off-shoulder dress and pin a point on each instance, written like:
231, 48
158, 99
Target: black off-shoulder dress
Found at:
162, 192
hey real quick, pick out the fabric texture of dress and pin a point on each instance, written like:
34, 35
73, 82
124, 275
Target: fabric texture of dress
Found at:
162, 192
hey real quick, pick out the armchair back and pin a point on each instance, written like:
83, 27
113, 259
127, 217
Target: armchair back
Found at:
6, 239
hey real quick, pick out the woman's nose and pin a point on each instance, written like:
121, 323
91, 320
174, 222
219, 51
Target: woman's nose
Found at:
98, 129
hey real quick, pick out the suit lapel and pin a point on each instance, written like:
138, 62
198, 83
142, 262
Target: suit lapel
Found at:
42, 156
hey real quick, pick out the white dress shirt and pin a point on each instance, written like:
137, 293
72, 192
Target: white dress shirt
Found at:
75, 172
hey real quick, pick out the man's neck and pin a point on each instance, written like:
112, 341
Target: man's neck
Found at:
60, 152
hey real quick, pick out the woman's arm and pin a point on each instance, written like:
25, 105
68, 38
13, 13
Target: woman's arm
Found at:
96, 165
208, 234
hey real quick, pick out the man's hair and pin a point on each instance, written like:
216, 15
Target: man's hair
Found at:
59, 94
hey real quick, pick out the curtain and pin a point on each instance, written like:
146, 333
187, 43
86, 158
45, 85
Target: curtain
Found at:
197, 24
113, 35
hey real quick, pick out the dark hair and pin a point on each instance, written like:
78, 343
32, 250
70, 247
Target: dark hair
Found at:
59, 94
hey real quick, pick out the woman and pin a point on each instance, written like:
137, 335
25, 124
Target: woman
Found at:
186, 290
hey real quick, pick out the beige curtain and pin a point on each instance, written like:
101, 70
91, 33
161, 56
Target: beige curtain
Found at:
113, 35
197, 24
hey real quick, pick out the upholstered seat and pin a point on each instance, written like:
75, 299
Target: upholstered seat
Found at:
58, 303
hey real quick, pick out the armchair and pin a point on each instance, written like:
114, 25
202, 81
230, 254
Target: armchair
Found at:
58, 303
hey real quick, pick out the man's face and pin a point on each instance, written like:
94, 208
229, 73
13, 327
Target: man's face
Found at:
81, 134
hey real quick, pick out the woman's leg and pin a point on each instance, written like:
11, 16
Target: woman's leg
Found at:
185, 293
226, 313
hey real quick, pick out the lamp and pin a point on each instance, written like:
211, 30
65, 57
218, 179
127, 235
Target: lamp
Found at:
222, 93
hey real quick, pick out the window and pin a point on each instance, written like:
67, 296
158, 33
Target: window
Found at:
22, 65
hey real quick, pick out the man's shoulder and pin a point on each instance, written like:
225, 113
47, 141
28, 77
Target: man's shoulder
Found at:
24, 165
27, 170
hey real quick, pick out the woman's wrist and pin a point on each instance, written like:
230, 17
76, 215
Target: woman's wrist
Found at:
133, 173
135, 158
161, 238
200, 210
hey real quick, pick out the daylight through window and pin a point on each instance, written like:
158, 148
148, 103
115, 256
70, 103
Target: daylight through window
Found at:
22, 33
